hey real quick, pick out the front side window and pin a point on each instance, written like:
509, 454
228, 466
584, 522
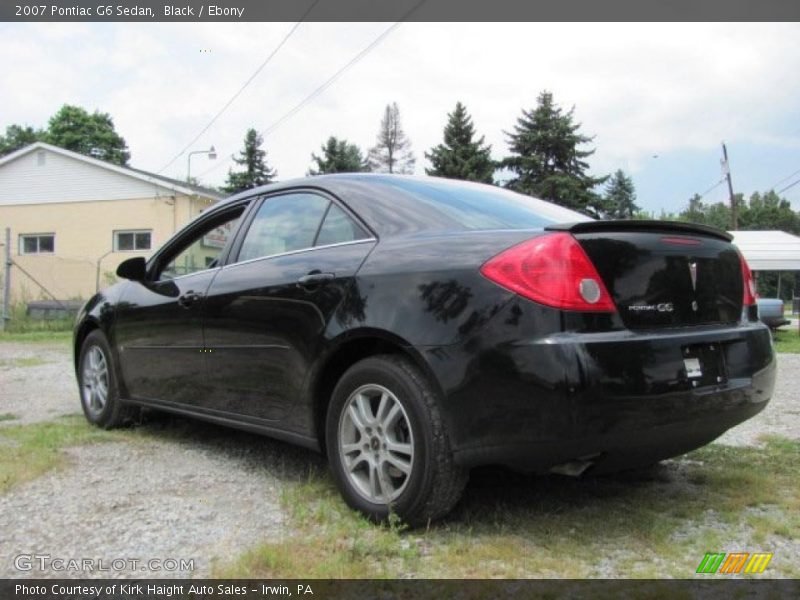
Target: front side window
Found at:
37, 243
284, 224
202, 250
135, 240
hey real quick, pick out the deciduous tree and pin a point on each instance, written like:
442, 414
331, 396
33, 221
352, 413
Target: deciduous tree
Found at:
17, 136
73, 128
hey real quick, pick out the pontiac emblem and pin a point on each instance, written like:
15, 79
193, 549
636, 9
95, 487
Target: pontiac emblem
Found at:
693, 275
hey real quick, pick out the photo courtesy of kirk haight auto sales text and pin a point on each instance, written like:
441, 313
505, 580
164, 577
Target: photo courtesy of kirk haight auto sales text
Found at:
162, 590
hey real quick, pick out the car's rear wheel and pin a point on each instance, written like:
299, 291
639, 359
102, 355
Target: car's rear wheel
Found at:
97, 382
387, 445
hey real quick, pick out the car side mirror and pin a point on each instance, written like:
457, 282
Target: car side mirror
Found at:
134, 269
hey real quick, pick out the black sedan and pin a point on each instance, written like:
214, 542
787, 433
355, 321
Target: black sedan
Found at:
413, 328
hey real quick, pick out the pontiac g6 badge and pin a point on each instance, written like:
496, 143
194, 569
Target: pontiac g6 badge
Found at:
660, 307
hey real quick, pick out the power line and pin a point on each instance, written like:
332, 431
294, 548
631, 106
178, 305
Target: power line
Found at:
321, 88
788, 177
791, 185
242, 88
328, 82
712, 188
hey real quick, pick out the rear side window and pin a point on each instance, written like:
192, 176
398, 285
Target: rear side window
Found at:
338, 228
284, 224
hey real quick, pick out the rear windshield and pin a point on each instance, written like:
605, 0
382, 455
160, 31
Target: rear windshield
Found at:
481, 207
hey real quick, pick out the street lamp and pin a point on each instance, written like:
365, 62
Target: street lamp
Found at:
212, 155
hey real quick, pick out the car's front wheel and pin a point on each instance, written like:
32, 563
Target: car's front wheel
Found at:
98, 385
387, 444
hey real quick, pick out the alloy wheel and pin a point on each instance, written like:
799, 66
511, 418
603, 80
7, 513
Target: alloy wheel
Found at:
376, 444
94, 381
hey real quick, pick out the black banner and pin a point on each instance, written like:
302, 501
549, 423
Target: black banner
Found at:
322, 589
407, 10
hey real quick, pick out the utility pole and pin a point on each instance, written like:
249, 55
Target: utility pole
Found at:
726, 168
7, 281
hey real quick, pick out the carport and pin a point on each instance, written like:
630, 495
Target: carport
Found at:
770, 251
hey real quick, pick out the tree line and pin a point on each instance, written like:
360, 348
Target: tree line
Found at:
547, 157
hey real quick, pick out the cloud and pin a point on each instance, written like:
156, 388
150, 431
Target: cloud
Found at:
641, 89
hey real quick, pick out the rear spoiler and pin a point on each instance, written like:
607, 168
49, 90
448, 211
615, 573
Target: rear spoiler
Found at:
643, 225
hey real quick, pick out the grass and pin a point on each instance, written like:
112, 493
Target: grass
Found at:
8, 417
29, 451
787, 341
36, 336
29, 325
657, 522
29, 361
21, 323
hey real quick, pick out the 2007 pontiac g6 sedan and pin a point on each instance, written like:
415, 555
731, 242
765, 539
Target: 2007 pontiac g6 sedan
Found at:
413, 328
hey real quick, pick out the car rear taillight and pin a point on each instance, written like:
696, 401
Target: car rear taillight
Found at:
553, 270
750, 295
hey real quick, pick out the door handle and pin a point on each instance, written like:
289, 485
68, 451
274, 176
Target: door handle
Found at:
315, 278
188, 299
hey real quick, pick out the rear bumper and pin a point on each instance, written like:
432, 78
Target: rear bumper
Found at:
616, 400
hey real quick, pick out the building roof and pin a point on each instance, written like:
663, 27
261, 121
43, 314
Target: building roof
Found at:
152, 178
769, 250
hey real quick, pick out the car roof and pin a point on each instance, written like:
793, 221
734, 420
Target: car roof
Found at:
391, 204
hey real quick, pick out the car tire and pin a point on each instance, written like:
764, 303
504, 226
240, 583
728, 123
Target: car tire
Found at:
97, 384
387, 444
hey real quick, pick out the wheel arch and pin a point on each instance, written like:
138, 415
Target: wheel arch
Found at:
87, 326
349, 349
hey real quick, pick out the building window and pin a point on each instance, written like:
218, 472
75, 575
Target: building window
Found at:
37, 243
133, 240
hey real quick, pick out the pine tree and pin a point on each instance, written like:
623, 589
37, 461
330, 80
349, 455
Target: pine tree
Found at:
546, 159
256, 171
461, 156
392, 152
621, 197
338, 156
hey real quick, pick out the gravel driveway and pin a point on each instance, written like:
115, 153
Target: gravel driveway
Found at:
183, 490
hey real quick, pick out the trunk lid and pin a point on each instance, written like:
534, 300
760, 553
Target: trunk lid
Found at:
663, 274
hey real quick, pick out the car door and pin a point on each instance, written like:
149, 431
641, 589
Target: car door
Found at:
266, 312
158, 325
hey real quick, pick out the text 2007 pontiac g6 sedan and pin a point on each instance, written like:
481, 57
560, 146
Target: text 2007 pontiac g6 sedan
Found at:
413, 328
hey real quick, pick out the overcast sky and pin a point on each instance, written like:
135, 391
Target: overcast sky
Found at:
659, 98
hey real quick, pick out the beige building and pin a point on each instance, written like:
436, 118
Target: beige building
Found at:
74, 218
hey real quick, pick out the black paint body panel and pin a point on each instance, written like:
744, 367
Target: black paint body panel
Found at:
522, 384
